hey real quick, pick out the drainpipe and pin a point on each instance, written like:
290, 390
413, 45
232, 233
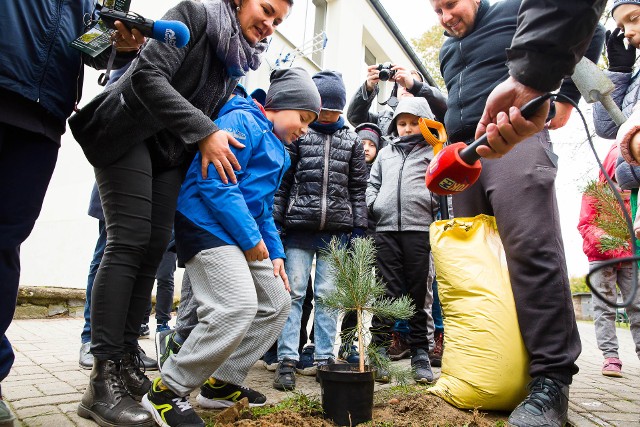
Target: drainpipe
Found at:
403, 42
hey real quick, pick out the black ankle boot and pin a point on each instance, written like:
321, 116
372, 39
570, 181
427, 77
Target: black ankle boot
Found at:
107, 400
132, 374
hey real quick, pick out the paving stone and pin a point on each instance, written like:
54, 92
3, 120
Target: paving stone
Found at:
47, 400
66, 408
36, 411
30, 370
13, 393
57, 388
618, 416
59, 420
579, 420
79, 421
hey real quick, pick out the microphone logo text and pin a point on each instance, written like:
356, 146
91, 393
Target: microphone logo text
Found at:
452, 185
170, 37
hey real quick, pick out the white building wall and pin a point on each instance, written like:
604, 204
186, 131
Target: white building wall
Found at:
60, 248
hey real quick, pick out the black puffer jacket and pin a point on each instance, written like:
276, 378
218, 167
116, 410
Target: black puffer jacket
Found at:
324, 189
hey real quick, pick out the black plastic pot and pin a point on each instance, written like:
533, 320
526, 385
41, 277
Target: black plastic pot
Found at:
347, 394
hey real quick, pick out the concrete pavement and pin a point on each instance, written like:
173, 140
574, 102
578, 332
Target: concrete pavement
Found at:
46, 384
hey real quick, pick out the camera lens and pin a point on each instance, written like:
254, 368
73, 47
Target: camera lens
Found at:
385, 74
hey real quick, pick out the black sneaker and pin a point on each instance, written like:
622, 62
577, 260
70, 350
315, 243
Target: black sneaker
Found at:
218, 394
150, 364
546, 405
306, 365
144, 331
166, 345
421, 367
169, 409
285, 378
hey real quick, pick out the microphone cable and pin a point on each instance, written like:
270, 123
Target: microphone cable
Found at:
634, 247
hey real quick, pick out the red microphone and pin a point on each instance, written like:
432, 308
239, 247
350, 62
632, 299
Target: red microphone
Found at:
458, 166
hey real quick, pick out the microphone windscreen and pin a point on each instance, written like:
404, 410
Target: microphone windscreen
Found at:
449, 174
174, 33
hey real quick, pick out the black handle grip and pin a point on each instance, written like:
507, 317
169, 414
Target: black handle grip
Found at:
469, 155
130, 20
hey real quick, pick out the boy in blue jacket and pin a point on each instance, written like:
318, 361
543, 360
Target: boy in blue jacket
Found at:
226, 237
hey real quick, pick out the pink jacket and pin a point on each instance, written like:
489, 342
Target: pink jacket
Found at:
591, 233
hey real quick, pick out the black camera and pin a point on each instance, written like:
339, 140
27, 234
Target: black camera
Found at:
386, 71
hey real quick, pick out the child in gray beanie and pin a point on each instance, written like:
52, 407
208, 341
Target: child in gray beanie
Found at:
225, 234
370, 135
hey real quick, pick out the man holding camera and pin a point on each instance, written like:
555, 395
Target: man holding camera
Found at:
409, 83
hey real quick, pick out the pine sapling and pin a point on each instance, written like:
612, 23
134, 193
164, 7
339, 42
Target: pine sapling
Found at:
358, 288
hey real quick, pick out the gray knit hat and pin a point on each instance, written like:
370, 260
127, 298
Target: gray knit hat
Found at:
417, 106
332, 90
292, 89
617, 3
369, 131
627, 176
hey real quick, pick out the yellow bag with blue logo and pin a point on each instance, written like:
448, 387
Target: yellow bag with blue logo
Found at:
485, 362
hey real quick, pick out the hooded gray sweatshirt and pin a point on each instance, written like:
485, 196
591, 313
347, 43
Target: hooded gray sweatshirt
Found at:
397, 196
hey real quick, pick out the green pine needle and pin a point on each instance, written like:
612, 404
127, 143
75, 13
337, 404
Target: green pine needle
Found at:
358, 289
609, 217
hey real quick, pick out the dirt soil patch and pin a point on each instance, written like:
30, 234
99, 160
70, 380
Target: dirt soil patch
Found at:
413, 410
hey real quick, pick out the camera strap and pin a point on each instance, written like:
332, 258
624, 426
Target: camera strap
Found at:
393, 98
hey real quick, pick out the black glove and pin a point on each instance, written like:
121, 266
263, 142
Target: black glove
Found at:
621, 59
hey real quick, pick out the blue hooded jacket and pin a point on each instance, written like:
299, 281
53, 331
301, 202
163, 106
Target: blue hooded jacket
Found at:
212, 214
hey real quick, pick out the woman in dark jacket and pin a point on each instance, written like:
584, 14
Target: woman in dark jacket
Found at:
138, 135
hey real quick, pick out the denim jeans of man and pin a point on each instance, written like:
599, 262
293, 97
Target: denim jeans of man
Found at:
27, 160
298, 267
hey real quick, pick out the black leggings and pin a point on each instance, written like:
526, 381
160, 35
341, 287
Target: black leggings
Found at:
139, 206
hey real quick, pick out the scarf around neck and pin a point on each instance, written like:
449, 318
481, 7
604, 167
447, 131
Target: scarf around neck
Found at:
223, 31
408, 142
328, 128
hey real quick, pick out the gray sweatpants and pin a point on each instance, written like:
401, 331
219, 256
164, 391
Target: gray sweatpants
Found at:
187, 312
519, 191
604, 281
241, 310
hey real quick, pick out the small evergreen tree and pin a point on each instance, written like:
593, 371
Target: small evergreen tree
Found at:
359, 290
609, 217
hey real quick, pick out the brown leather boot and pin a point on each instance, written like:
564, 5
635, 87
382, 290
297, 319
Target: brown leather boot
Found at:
435, 356
107, 400
399, 348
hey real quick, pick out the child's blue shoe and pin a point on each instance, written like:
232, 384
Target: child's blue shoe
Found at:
163, 326
349, 353
305, 365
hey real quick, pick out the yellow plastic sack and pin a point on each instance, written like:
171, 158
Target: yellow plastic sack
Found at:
485, 362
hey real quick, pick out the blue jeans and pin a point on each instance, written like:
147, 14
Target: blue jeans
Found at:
298, 267
436, 310
93, 269
27, 160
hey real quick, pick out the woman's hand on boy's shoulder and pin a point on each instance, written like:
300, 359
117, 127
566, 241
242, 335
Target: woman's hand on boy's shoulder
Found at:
215, 150
278, 271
